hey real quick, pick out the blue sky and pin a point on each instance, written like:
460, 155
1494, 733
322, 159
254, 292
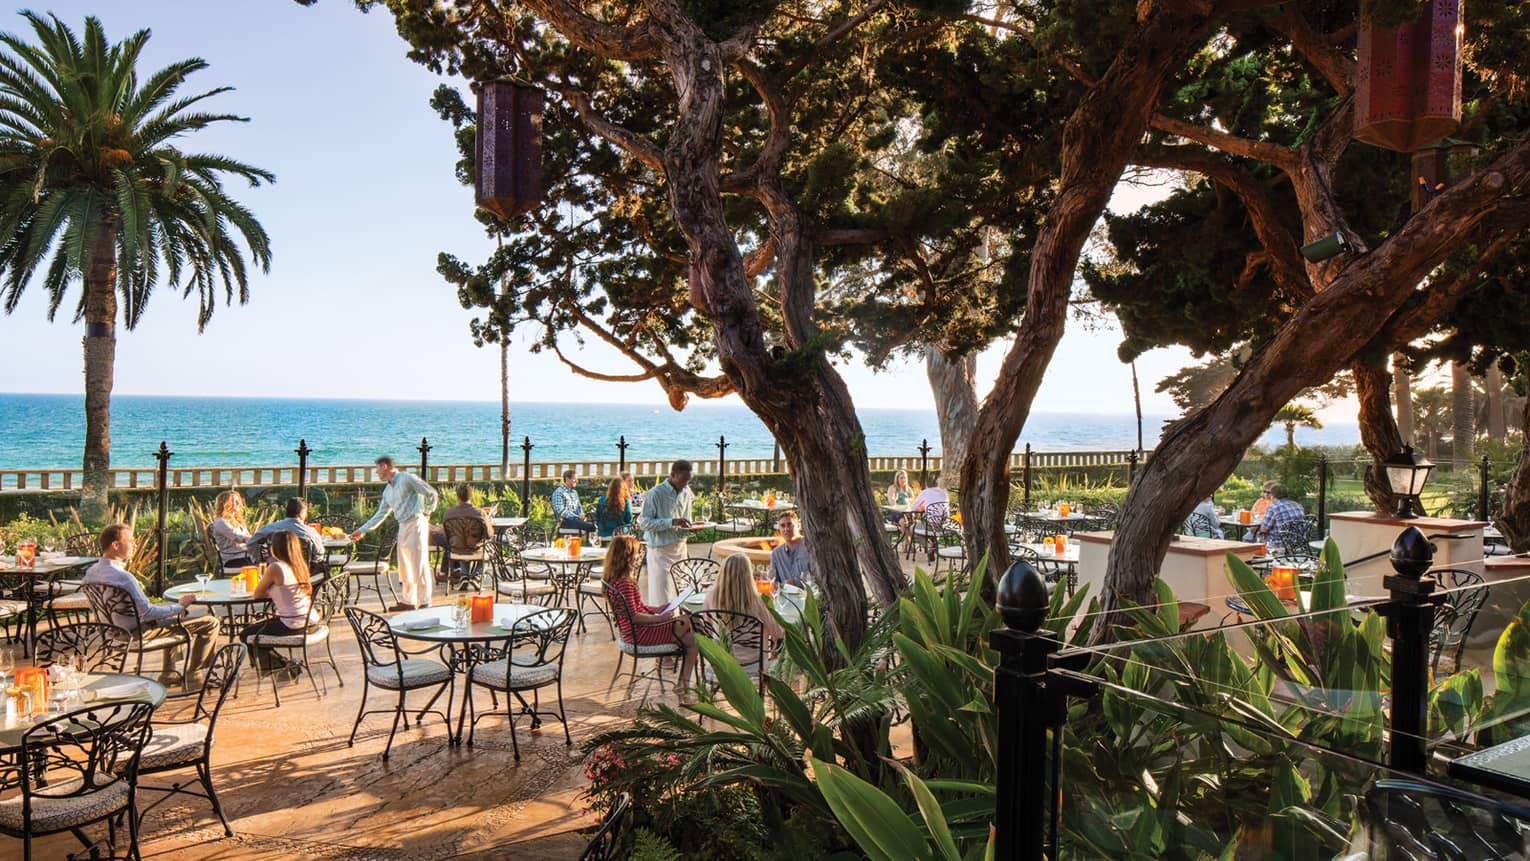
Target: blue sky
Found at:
364, 200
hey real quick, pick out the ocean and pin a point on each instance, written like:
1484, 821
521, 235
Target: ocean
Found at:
48, 431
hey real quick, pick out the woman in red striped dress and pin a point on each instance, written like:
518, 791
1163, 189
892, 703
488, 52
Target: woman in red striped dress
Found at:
620, 574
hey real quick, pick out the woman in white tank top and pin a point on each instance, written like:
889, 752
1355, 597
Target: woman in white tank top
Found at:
285, 582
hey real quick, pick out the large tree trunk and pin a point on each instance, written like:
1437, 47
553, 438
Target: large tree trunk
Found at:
1198, 453
1514, 520
1402, 393
801, 399
1378, 432
1462, 419
504, 407
1098, 140
100, 363
954, 383
1497, 429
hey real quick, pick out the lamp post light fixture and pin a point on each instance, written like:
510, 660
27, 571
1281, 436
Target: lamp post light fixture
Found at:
1406, 474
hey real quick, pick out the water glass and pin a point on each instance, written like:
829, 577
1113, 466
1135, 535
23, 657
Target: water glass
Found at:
202, 577
7, 664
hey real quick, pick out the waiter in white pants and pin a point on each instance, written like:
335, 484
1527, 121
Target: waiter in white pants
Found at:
665, 517
410, 500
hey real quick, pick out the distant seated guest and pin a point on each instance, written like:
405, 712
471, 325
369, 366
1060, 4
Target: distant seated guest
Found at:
229, 532
1262, 504
734, 592
790, 563
634, 495
931, 495
464, 527
296, 522
613, 512
900, 492
567, 513
1211, 527
285, 582
1284, 521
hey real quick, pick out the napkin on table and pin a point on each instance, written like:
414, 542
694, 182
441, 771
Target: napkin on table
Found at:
122, 690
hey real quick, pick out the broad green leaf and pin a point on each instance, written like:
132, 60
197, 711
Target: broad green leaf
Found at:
735, 683
929, 808
873, 820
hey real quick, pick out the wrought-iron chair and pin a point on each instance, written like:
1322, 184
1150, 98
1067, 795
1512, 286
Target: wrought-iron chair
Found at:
534, 661
695, 573
328, 597
1465, 596
13, 603
1291, 541
511, 579
99, 647
1199, 525
607, 841
742, 634
174, 745
928, 526
1412, 821
115, 606
467, 546
387, 668
622, 611
77, 769
372, 563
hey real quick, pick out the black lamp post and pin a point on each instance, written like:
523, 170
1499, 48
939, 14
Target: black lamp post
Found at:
1406, 474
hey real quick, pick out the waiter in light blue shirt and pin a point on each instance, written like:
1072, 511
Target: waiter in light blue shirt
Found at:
665, 517
410, 500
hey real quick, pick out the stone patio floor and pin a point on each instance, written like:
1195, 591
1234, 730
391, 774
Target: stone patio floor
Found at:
292, 789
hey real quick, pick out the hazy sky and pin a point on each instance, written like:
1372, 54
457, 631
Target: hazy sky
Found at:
365, 198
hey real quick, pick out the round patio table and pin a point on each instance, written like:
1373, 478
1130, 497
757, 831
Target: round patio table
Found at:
588, 556
788, 604
501, 524
233, 610
465, 647
1231, 521
45, 568
766, 514
149, 691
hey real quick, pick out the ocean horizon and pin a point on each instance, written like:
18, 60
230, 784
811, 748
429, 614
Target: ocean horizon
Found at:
47, 431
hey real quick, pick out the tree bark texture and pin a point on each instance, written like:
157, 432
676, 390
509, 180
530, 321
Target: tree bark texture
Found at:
1402, 394
954, 384
1462, 418
1514, 519
1378, 432
1198, 453
801, 399
100, 363
1098, 141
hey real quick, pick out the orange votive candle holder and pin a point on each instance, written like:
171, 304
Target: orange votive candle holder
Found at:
1282, 581
481, 609
34, 679
575, 545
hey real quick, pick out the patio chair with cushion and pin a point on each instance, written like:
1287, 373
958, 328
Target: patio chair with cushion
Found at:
13, 604
371, 563
328, 597
512, 581
927, 528
77, 769
1198, 525
1465, 595
96, 646
388, 668
115, 606
175, 745
533, 662
621, 614
741, 634
694, 573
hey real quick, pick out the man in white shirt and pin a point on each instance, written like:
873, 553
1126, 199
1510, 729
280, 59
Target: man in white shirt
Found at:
665, 521
158, 621
410, 500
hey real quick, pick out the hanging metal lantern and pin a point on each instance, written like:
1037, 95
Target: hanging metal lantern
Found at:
509, 180
1408, 78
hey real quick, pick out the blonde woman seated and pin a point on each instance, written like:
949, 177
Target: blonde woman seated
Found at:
646, 626
735, 592
228, 530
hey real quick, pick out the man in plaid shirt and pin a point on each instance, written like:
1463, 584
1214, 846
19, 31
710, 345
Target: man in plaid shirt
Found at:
1284, 520
567, 512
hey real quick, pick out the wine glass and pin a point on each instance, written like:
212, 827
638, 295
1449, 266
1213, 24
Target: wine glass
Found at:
7, 665
202, 577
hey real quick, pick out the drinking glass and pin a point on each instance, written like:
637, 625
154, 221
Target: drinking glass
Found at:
7, 664
202, 577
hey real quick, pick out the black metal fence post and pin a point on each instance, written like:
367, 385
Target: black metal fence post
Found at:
1410, 618
1025, 472
1023, 716
1131, 468
775, 457
424, 449
526, 448
722, 472
924, 463
302, 451
163, 554
1322, 500
1482, 494
621, 453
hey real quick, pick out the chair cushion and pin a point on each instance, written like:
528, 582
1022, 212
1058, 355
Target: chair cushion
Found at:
511, 588
418, 673
649, 651
316, 634
365, 567
12, 608
76, 601
55, 814
524, 676
173, 745
955, 551
592, 587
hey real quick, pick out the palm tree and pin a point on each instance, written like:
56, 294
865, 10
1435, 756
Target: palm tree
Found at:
1432, 407
88, 174
1292, 415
